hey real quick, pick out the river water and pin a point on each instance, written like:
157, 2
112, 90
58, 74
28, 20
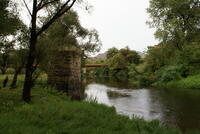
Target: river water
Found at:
173, 107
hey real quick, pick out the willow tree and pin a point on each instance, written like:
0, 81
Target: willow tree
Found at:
59, 8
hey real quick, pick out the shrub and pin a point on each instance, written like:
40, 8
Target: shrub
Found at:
171, 73
122, 74
102, 71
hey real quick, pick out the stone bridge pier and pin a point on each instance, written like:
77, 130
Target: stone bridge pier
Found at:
65, 72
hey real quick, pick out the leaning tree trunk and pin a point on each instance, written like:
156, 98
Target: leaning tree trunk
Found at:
31, 56
14, 81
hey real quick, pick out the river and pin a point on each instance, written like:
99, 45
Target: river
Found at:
173, 107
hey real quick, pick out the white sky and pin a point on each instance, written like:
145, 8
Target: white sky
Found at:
120, 23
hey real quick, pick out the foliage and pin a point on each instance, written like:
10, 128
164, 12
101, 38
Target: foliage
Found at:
9, 21
191, 54
131, 56
111, 52
177, 54
11, 41
171, 73
101, 71
117, 62
120, 60
18, 62
54, 9
167, 63
18, 58
177, 21
67, 31
138, 75
154, 58
6, 47
190, 82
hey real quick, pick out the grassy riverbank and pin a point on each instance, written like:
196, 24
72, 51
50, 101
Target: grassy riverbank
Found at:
191, 82
51, 112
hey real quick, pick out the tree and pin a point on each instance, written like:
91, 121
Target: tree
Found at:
9, 25
131, 56
177, 21
9, 21
122, 59
154, 59
18, 61
54, 14
117, 62
6, 47
111, 52
66, 32
19, 55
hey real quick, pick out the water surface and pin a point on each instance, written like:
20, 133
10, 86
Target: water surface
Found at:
173, 107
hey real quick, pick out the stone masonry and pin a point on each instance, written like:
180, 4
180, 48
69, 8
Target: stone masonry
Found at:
65, 71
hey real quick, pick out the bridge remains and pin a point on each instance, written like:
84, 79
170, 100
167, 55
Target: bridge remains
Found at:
65, 71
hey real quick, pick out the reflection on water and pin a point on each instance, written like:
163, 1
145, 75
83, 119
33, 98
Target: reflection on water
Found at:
175, 108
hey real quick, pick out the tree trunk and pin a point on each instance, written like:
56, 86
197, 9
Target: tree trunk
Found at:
29, 72
31, 56
14, 81
33, 41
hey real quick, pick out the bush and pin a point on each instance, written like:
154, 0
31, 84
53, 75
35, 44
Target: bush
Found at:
171, 73
101, 71
191, 82
122, 74
139, 77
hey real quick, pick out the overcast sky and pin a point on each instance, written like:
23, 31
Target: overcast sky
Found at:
120, 23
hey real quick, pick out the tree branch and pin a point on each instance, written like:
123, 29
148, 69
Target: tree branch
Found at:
40, 3
27, 7
59, 13
40, 6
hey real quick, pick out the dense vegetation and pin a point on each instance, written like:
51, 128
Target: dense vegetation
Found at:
175, 61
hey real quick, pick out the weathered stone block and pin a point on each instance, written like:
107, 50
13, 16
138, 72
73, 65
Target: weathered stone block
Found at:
65, 70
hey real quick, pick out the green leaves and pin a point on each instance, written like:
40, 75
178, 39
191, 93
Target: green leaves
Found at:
120, 59
67, 31
174, 19
111, 52
9, 21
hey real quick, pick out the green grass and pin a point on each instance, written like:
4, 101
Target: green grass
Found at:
51, 112
191, 82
